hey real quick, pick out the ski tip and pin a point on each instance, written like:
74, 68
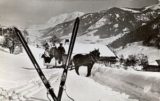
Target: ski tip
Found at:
77, 19
15, 28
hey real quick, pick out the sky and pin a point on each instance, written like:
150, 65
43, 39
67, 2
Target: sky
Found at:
25, 13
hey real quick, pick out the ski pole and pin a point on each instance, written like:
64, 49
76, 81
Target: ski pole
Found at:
37, 67
71, 46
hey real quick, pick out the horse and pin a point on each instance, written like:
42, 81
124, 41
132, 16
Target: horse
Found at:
54, 53
86, 60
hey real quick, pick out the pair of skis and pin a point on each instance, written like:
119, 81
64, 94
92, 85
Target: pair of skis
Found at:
38, 69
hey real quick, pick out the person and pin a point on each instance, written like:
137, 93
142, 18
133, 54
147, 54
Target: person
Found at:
61, 51
52, 50
46, 45
46, 56
11, 45
37, 46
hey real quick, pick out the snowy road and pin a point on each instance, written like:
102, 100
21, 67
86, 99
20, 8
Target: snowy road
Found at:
139, 85
20, 81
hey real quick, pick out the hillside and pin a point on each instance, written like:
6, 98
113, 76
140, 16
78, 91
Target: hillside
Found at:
149, 34
106, 26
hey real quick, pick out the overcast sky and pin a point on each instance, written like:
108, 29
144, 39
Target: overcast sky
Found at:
28, 12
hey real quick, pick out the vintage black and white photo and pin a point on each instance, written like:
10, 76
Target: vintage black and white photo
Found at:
79, 50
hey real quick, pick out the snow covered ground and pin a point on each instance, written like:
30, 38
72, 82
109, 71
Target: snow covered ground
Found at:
19, 82
152, 52
91, 38
140, 85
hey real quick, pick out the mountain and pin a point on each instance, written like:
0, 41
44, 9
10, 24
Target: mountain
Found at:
149, 34
115, 26
57, 20
36, 31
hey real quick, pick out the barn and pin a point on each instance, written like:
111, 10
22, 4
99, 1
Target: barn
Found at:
86, 48
106, 55
154, 67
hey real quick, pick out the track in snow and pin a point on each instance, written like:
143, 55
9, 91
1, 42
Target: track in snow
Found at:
28, 90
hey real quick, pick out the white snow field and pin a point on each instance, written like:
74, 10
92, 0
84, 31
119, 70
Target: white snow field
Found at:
19, 81
138, 84
152, 52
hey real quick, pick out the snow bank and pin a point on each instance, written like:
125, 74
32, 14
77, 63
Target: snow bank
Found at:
85, 89
140, 85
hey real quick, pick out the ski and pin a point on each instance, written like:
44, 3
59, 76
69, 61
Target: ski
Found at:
37, 67
66, 66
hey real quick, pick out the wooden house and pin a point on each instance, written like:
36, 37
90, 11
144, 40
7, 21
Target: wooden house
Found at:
152, 67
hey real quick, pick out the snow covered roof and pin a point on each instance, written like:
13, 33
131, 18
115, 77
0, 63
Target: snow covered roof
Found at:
86, 48
156, 62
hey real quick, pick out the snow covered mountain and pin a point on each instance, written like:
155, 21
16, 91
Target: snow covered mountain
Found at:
114, 22
149, 34
115, 26
57, 20
36, 31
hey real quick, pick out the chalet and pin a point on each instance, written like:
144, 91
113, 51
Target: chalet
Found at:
152, 67
106, 55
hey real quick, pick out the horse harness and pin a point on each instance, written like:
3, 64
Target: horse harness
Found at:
93, 58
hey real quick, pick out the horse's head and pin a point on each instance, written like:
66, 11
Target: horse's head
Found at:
96, 54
